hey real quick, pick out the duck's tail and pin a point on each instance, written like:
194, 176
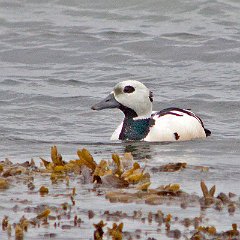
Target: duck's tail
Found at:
207, 132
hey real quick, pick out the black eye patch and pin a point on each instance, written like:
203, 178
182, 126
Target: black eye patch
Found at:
128, 89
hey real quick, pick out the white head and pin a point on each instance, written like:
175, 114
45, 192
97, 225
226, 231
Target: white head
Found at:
132, 97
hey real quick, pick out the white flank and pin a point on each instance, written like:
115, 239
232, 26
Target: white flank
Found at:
167, 127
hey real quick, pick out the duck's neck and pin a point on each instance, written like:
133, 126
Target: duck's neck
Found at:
128, 112
135, 128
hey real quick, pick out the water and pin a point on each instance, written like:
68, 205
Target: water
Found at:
58, 58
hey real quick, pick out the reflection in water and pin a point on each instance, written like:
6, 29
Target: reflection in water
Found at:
139, 150
143, 150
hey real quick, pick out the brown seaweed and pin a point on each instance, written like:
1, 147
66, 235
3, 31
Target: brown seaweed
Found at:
170, 167
43, 190
116, 231
208, 194
98, 233
4, 184
120, 180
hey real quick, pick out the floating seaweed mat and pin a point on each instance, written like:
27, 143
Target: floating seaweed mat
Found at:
24, 223
174, 193
173, 167
170, 167
210, 232
118, 173
149, 196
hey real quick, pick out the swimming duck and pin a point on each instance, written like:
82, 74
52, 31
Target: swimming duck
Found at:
135, 100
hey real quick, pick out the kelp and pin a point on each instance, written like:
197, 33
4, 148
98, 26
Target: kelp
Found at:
4, 184
118, 179
4, 223
234, 232
13, 171
102, 169
170, 167
118, 165
59, 168
43, 214
174, 167
116, 231
43, 190
98, 233
18, 232
204, 232
170, 189
56, 160
208, 194
144, 186
150, 196
119, 173
85, 158
24, 223
113, 181
56, 157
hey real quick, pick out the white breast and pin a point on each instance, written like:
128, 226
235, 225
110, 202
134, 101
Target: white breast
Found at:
116, 133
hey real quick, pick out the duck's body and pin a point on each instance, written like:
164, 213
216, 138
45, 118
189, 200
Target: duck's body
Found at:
172, 124
140, 123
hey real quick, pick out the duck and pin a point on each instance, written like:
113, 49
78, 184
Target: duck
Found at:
140, 123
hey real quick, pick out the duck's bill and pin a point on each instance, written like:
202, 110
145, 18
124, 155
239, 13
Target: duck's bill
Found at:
108, 102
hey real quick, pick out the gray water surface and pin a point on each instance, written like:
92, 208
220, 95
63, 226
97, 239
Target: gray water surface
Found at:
58, 58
